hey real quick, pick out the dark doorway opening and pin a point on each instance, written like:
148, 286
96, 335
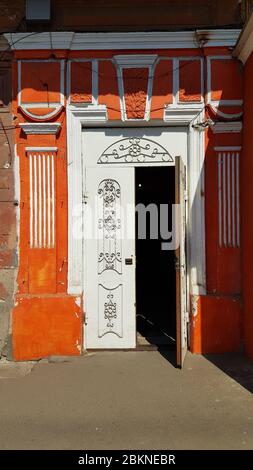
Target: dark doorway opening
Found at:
155, 268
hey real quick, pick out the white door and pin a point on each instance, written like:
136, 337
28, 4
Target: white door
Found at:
180, 264
110, 258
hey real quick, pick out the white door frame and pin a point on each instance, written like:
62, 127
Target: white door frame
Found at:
102, 158
95, 116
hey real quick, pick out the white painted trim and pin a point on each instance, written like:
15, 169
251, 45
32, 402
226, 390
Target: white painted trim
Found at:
228, 149
40, 127
213, 103
244, 46
40, 105
181, 115
16, 170
57, 105
227, 127
41, 117
196, 224
135, 60
41, 149
77, 116
191, 59
94, 91
94, 81
175, 79
227, 103
209, 83
226, 115
196, 246
62, 82
89, 113
19, 83
129, 61
130, 40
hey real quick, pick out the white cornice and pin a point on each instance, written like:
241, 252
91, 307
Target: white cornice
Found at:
227, 127
89, 114
131, 40
40, 127
181, 116
244, 46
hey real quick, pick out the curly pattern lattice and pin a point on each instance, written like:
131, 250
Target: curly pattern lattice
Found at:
135, 149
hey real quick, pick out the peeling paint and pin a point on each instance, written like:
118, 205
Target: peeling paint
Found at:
194, 302
78, 346
78, 301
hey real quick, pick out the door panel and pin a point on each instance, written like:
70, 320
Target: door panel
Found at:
180, 263
110, 258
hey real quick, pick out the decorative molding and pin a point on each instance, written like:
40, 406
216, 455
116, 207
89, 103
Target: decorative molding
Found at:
176, 80
42, 199
40, 127
135, 60
182, 115
219, 37
227, 127
229, 198
55, 108
131, 40
226, 103
40, 117
128, 61
215, 110
228, 148
89, 113
244, 46
41, 149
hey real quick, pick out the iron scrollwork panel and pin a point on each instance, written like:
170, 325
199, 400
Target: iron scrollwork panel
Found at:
109, 226
110, 319
135, 150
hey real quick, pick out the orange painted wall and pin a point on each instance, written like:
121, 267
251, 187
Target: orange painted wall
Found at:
45, 319
215, 324
45, 326
223, 263
190, 80
247, 211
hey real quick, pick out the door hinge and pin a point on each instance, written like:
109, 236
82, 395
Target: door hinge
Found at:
187, 317
186, 195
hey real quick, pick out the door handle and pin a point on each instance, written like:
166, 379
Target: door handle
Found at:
128, 261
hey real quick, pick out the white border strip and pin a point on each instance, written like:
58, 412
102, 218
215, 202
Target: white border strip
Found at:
41, 149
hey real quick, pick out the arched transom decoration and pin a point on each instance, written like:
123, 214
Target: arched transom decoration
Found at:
135, 150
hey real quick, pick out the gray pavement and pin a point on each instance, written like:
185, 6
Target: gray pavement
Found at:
127, 400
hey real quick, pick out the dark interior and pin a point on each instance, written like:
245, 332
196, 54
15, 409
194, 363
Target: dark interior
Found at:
155, 272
